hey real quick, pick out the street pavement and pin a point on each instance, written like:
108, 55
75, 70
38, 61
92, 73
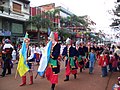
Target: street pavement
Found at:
84, 81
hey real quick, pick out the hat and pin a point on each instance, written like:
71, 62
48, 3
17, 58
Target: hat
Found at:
53, 36
26, 39
68, 41
7, 40
77, 42
89, 43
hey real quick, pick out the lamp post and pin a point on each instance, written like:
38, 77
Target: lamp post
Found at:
56, 20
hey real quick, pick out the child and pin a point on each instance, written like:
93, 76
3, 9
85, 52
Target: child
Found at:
92, 59
103, 62
14, 56
115, 62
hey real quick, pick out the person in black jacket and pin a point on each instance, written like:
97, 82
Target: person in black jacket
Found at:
69, 54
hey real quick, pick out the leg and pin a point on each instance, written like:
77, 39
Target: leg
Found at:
54, 80
67, 78
23, 80
4, 68
31, 77
90, 67
67, 72
74, 72
8, 66
53, 86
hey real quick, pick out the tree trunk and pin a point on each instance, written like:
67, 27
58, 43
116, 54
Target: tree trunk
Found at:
38, 36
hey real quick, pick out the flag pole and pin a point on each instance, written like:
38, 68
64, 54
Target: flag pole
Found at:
16, 74
36, 75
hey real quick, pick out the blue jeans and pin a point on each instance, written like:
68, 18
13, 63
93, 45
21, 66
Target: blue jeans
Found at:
91, 66
104, 71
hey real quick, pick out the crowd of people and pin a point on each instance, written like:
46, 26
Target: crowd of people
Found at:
78, 55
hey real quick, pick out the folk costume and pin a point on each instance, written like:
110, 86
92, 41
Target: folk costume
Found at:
7, 51
82, 56
53, 65
80, 61
69, 54
30, 60
37, 54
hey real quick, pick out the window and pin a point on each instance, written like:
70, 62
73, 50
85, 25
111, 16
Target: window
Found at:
26, 6
17, 28
16, 7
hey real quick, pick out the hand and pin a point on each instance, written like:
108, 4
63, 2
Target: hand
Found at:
51, 56
27, 60
3, 52
65, 58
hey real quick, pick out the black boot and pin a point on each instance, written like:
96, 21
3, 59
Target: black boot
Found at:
67, 78
75, 76
80, 69
53, 86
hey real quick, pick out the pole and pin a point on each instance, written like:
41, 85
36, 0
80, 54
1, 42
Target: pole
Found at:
16, 73
36, 75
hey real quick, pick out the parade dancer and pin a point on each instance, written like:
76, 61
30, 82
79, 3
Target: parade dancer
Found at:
7, 51
53, 65
29, 61
69, 54
80, 62
37, 54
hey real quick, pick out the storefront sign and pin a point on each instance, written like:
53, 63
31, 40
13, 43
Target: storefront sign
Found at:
5, 33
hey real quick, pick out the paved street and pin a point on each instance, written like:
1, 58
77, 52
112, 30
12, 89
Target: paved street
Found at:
84, 81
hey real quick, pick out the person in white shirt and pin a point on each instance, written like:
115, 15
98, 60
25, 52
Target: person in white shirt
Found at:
7, 51
14, 56
30, 61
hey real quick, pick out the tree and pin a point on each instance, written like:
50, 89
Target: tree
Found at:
40, 21
115, 25
37, 22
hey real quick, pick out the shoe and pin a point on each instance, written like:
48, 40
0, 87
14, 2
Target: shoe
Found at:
75, 76
67, 78
8, 73
90, 73
80, 70
23, 81
31, 80
102, 76
2, 75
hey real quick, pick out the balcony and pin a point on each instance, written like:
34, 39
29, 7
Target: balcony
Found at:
14, 10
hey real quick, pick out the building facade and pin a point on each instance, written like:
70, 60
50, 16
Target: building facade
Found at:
13, 15
62, 12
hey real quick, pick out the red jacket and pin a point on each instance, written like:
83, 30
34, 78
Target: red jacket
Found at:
103, 61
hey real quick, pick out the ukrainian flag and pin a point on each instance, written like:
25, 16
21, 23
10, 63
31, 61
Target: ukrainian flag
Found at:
22, 67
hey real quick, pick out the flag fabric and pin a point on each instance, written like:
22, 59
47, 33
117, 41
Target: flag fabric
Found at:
49, 31
45, 58
22, 67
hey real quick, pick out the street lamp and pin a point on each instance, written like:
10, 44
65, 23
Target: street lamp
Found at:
56, 20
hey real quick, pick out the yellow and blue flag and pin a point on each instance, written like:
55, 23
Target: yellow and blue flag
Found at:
22, 67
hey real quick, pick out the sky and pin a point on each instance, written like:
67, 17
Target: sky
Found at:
97, 10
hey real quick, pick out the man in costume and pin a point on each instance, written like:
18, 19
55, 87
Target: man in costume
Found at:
53, 65
30, 60
69, 54
80, 61
7, 51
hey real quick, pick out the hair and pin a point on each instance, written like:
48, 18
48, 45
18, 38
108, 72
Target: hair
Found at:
116, 56
111, 52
